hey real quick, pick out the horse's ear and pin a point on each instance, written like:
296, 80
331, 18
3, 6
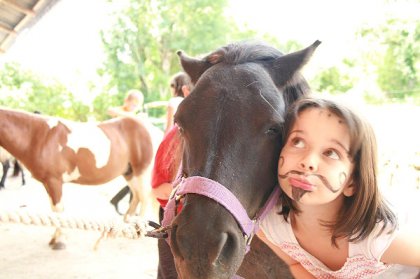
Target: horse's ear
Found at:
192, 66
287, 65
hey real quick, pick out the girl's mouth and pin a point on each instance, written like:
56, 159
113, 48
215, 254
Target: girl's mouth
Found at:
300, 183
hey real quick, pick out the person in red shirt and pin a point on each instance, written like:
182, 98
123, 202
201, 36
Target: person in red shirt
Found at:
165, 168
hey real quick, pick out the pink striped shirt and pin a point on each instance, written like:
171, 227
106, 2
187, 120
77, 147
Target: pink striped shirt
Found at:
362, 262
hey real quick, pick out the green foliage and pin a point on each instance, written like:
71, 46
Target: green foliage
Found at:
142, 42
23, 90
398, 74
143, 37
335, 80
289, 46
140, 46
101, 104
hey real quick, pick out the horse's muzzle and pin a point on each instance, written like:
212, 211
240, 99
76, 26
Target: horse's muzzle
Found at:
214, 250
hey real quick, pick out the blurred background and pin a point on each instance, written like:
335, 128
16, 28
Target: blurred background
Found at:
78, 58
75, 58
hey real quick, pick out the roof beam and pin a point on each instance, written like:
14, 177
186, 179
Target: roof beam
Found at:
7, 30
19, 8
29, 17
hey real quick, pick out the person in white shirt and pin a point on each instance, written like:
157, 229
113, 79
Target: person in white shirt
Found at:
331, 220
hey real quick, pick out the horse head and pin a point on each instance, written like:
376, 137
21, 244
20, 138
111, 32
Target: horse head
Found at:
231, 126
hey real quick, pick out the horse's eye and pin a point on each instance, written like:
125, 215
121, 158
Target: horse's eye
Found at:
177, 123
273, 131
180, 129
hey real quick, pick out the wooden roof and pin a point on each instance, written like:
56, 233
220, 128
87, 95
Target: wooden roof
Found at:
18, 15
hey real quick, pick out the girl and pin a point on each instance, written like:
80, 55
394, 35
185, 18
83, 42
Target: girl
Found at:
332, 221
180, 86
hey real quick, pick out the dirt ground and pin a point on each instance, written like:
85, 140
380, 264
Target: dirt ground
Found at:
24, 250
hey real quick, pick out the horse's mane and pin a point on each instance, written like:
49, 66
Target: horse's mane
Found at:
259, 52
242, 52
296, 90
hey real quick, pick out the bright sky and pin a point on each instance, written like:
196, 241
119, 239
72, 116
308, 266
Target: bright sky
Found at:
66, 44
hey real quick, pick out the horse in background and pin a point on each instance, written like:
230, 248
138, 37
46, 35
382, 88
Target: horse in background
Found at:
6, 159
56, 151
231, 127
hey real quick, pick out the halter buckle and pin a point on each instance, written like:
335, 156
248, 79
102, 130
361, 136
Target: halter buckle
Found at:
160, 232
248, 239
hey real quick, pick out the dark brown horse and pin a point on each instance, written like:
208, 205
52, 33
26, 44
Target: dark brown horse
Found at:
56, 151
231, 126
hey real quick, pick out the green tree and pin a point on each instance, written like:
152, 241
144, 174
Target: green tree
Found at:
142, 42
397, 69
24, 90
336, 79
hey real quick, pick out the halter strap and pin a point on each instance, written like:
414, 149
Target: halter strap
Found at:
217, 192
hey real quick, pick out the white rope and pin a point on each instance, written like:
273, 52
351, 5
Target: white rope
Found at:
133, 229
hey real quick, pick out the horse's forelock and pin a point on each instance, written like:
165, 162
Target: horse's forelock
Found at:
252, 51
239, 53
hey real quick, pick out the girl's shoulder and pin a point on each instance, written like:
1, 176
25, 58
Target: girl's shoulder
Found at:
376, 243
276, 228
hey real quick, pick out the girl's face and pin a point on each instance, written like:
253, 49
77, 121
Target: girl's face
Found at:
314, 166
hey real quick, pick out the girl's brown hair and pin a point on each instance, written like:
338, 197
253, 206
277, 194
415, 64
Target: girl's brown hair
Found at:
178, 81
367, 207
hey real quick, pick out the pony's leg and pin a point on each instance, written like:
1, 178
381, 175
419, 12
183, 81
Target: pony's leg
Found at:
56, 242
6, 166
55, 192
134, 202
140, 196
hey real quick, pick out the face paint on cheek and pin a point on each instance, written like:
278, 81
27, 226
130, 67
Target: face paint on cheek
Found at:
342, 178
326, 183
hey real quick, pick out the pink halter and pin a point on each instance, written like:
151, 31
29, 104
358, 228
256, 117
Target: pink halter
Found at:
215, 191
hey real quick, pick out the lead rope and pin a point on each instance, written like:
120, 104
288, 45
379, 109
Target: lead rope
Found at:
133, 229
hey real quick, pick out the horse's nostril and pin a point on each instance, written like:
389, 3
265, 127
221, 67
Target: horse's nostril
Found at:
227, 246
217, 255
234, 244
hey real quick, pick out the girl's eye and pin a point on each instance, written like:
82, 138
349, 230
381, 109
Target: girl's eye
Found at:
332, 154
297, 142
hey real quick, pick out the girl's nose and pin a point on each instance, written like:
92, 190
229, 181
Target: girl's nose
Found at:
309, 163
